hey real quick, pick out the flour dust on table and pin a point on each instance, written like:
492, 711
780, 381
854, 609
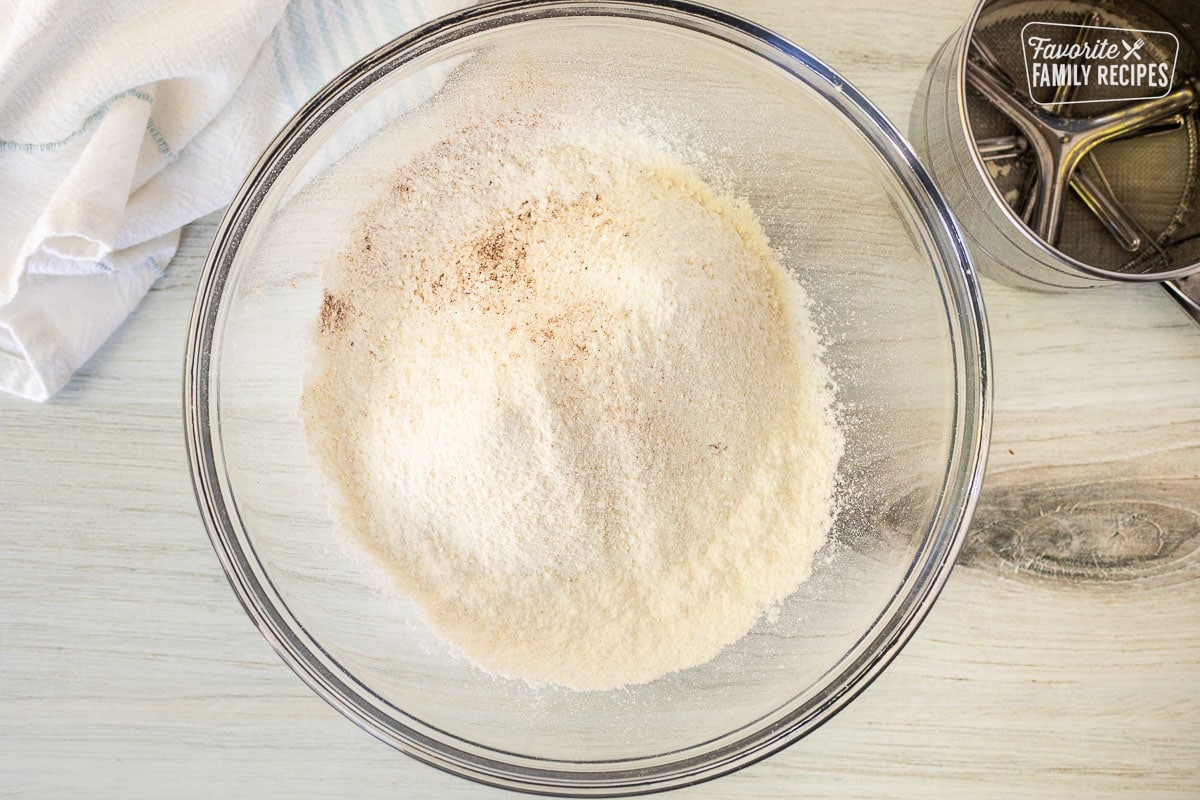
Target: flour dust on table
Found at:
567, 394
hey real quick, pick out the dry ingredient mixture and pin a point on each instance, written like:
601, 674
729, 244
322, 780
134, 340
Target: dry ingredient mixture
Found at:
568, 395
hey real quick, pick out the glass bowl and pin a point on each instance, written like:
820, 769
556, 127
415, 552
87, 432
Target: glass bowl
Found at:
852, 215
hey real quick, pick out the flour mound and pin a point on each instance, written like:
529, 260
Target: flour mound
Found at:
567, 394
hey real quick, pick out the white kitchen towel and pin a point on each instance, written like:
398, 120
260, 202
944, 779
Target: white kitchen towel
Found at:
123, 120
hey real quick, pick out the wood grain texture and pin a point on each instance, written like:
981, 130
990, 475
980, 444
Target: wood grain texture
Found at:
1061, 661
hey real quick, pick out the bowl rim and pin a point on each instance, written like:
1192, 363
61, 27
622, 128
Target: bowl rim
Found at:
324, 675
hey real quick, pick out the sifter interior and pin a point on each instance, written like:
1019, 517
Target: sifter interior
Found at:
1105, 173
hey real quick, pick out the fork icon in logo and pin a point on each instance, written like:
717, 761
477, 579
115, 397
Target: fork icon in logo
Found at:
1132, 49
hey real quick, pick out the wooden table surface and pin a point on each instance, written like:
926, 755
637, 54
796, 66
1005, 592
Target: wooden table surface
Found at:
1062, 660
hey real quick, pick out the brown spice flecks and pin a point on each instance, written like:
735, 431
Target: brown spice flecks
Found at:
495, 262
500, 258
334, 313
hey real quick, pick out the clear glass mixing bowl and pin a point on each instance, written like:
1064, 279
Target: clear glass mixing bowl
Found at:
855, 218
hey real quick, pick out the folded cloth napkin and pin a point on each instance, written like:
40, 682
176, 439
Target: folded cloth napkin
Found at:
123, 120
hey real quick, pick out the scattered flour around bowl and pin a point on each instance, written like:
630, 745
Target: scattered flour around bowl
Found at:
569, 397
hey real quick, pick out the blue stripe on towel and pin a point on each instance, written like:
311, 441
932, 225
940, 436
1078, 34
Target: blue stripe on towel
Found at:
302, 48
285, 81
92, 119
336, 61
157, 137
359, 25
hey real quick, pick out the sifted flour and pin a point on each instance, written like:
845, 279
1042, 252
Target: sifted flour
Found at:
568, 395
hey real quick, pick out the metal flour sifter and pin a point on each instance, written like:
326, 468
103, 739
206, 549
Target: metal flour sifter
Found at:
1065, 134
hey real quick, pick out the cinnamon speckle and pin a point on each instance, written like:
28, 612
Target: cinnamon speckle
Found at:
335, 312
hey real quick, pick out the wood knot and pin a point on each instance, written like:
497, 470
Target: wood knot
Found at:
1081, 533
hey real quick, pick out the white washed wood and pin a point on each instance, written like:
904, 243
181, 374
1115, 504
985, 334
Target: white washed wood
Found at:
127, 668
